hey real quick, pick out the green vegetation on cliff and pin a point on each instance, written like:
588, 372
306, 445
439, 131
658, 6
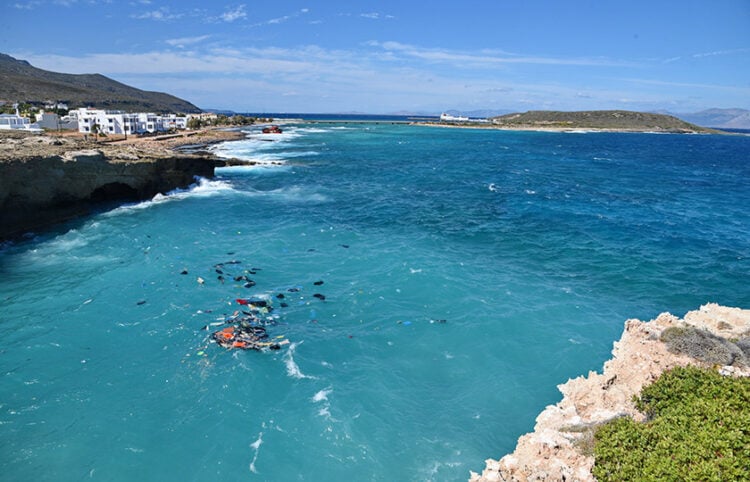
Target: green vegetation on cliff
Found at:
697, 429
21, 82
597, 119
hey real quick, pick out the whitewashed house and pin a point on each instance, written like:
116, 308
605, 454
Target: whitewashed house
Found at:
50, 120
172, 121
18, 123
119, 122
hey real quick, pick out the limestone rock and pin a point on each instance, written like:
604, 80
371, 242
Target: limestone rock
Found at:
47, 180
553, 452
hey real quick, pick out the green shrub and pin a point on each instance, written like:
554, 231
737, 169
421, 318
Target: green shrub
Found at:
698, 429
702, 345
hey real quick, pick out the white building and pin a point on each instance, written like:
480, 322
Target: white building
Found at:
50, 120
452, 118
119, 122
17, 123
172, 121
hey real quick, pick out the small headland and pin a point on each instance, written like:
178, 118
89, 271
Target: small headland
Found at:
589, 121
51, 178
562, 445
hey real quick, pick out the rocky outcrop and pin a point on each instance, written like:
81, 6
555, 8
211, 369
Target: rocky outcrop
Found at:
560, 446
45, 180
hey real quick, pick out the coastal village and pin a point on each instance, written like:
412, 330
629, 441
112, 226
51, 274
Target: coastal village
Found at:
87, 120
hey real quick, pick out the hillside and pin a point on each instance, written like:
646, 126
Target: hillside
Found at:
619, 120
22, 82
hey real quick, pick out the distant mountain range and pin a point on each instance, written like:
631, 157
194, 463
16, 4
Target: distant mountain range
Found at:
21, 82
720, 118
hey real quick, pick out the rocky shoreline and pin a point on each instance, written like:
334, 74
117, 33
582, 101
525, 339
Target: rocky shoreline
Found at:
48, 179
562, 129
556, 450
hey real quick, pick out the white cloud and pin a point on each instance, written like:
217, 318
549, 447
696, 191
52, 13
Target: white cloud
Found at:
282, 19
378, 76
163, 14
234, 14
720, 52
182, 42
27, 5
375, 15
486, 57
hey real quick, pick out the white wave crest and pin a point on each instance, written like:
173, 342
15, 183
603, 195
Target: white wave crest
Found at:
292, 369
322, 395
255, 169
202, 188
256, 446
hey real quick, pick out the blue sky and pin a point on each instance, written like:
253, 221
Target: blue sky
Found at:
389, 56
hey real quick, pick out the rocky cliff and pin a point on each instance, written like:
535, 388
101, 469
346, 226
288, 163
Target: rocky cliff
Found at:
44, 180
556, 451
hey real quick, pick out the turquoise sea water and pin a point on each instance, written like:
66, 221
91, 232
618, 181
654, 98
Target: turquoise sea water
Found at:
466, 273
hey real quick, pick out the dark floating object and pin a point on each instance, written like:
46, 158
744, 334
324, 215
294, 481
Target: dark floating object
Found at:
220, 278
245, 302
284, 305
241, 278
344, 245
230, 253
249, 284
293, 290
184, 271
142, 302
234, 261
280, 296
318, 283
219, 271
319, 296
311, 250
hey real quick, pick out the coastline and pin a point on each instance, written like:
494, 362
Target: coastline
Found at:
49, 179
570, 130
557, 448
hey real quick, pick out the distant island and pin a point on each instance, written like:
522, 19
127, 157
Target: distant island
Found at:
596, 120
22, 82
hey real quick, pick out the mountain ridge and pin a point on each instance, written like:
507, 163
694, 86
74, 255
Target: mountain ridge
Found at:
22, 82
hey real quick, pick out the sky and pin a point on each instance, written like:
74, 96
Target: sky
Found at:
390, 56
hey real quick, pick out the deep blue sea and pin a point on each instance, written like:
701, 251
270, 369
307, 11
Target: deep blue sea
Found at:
465, 273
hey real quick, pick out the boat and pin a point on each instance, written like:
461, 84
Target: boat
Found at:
272, 130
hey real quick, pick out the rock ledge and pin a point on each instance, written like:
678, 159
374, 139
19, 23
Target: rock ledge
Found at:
551, 452
46, 180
